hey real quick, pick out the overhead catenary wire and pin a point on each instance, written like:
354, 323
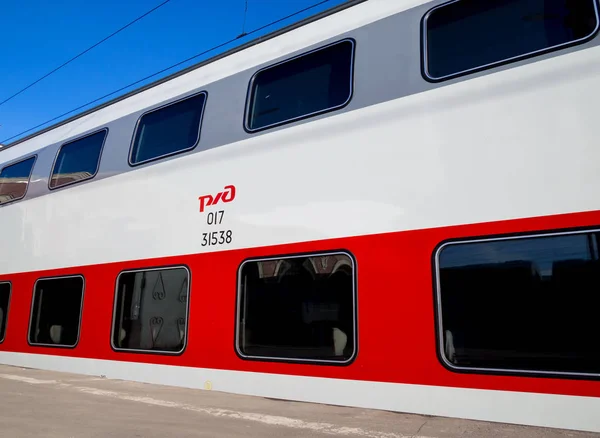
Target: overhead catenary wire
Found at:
244, 23
85, 51
218, 46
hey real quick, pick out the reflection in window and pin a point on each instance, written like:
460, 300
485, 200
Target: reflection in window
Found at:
468, 34
151, 310
4, 300
525, 304
56, 311
299, 308
168, 130
307, 85
14, 180
78, 160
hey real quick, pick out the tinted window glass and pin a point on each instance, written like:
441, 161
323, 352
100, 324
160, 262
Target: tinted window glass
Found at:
168, 130
151, 310
299, 308
522, 304
306, 85
14, 180
468, 34
4, 300
78, 160
56, 312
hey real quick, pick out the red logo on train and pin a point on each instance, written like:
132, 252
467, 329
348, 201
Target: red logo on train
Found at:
227, 195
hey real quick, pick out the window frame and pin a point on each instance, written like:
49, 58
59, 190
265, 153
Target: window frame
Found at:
106, 130
238, 326
61, 277
187, 311
2, 338
249, 92
158, 108
502, 62
439, 324
20, 160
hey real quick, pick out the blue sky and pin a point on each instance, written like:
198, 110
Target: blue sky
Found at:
38, 36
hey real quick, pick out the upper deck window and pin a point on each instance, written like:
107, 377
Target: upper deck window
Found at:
78, 160
14, 180
468, 35
307, 85
169, 130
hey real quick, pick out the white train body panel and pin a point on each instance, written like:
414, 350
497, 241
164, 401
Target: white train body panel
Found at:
491, 148
517, 143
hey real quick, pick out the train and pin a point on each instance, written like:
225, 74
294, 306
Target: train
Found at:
392, 204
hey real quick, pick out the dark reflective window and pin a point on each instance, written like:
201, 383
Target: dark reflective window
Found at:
78, 160
56, 311
4, 300
299, 308
526, 304
168, 130
469, 34
151, 310
14, 180
306, 85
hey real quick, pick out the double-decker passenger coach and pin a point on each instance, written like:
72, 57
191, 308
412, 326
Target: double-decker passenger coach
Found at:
391, 205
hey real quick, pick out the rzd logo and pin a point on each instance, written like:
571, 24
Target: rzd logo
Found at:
227, 195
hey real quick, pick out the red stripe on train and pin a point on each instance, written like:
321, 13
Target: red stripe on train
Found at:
396, 328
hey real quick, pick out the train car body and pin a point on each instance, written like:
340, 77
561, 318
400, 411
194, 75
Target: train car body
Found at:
416, 232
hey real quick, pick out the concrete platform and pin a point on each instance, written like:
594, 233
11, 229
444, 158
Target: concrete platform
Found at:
46, 404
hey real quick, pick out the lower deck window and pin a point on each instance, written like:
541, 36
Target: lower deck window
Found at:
298, 308
151, 310
526, 304
56, 311
4, 300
